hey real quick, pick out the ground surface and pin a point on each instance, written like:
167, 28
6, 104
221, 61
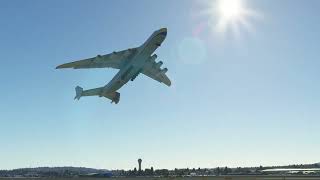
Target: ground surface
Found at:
187, 178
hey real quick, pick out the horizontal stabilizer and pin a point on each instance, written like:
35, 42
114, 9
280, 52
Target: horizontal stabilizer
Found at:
113, 96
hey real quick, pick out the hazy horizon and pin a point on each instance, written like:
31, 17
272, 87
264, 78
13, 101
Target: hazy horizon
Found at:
166, 168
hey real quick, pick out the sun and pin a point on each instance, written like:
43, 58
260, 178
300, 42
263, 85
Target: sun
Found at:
229, 16
232, 14
230, 9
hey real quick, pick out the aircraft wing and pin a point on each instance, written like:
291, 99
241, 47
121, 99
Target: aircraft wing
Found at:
113, 60
153, 71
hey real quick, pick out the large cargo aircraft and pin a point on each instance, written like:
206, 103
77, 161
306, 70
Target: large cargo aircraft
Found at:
130, 62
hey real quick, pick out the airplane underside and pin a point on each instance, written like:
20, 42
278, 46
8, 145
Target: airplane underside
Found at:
130, 62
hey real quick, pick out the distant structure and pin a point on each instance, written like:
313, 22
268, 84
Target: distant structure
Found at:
139, 161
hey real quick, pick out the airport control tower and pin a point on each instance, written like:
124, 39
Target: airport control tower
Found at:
139, 161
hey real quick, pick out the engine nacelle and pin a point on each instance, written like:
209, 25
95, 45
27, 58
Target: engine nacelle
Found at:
153, 58
159, 64
164, 70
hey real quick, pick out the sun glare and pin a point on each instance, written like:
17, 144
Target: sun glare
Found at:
230, 9
229, 15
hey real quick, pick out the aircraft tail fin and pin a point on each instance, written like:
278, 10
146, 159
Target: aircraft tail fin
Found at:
79, 91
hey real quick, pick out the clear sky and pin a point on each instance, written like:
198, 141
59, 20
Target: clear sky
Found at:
243, 97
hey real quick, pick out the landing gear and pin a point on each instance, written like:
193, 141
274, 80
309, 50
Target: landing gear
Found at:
135, 76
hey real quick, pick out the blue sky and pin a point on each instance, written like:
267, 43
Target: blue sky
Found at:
245, 100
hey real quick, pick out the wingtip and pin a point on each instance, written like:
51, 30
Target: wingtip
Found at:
67, 65
59, 67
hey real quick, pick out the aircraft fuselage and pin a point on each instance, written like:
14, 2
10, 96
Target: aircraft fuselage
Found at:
136, 64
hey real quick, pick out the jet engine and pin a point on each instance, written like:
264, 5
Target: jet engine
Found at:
164, 70
159, 64
153, 58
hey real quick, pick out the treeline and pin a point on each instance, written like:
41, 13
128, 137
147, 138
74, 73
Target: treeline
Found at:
207, 171
185, 172
80, 171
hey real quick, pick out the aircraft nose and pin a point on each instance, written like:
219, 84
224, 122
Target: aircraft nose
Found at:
163, 31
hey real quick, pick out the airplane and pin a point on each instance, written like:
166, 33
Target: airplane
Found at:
130, 62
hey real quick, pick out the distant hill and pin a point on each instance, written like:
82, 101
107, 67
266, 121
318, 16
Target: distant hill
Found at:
315, 165
50, 172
